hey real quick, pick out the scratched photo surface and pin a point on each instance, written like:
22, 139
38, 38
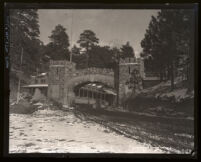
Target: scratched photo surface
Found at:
101, 81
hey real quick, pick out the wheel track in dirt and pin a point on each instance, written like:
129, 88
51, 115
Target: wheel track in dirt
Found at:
144, 136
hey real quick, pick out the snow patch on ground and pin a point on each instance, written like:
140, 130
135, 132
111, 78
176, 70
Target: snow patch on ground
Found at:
162, 91
178, 94
55, 131
38, 104
183, 135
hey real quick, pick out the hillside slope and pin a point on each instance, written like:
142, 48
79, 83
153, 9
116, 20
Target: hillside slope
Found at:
160, 100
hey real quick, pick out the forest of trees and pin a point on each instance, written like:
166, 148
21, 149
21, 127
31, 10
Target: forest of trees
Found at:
168, 45
24, 40
88, 54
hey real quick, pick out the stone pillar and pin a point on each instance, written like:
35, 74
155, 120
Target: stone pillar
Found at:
124, 77
83, 92
141, 62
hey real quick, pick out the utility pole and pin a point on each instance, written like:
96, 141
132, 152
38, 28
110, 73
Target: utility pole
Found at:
18, 89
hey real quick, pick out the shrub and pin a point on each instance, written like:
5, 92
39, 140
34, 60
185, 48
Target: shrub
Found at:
23, 107
57, 104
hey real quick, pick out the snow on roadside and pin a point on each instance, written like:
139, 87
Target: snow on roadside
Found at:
48, 131
38, 104
162, 91
177, 94
183, 135
152, 113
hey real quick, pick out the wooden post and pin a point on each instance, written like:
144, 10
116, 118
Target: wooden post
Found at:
18, 90
88, 96
84, 93
81, 92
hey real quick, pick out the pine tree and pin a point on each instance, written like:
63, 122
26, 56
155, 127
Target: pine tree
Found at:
57, 49
166, 42
127, 51
24, 47
88, 39
24, 33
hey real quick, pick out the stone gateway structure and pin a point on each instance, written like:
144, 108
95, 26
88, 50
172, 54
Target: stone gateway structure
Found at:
67, 85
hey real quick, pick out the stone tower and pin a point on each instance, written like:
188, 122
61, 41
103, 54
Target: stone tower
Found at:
126, 67
56, 79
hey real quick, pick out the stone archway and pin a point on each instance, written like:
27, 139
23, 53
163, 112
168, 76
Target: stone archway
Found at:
69, 85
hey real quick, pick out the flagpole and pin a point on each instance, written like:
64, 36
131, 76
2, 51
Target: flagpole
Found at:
71, 37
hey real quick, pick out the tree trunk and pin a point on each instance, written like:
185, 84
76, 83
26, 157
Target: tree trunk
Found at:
187, 72
172, 75
161, 77
191, 59
162, 73
168, 72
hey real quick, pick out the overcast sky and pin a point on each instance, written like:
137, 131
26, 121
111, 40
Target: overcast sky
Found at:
113, 27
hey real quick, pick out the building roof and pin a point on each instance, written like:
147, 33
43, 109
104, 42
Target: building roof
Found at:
109, 91
99, 88
35, 85
41, 74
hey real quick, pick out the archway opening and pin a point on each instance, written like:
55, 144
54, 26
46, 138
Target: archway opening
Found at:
95, 93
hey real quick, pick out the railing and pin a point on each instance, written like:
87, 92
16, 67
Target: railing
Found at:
61, 62
92, 70
127, 60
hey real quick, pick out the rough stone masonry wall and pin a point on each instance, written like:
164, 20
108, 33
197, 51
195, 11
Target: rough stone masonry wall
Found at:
63, 76
124, 90
123, 77
62, 73
56, 80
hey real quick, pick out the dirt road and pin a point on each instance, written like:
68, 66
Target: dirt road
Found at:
172, 135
